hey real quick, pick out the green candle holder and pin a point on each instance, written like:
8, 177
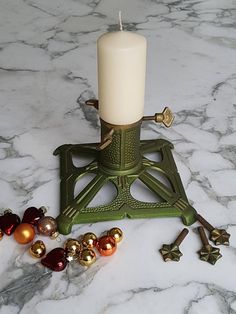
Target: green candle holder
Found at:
119, 159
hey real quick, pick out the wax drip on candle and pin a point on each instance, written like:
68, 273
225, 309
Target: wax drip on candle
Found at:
120, 21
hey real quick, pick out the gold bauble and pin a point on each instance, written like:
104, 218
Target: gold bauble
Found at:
73, 248
24, 233
87, 257
89, 240
37, 249
116, 233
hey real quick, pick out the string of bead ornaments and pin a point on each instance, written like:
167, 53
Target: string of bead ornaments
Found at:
81, 250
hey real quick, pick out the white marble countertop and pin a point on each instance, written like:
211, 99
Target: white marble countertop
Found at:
47, 62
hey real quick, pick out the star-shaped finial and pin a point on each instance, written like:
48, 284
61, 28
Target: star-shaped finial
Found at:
170, 252
209, 254
220, 236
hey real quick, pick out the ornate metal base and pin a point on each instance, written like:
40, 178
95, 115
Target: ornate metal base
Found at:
75, 210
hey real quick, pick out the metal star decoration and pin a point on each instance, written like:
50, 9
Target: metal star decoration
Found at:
209, 254
220, 236
170, 252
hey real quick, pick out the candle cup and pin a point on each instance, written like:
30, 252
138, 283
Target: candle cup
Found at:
122, 156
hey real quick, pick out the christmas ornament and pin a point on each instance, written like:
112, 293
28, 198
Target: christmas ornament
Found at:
24, 233
171, 252
87, 257
106, 245
208, 253
55, 259
116, 233
89, 240
218, 236
55, 235
72, 248
47, 226
37, 249
9, 222
32, 215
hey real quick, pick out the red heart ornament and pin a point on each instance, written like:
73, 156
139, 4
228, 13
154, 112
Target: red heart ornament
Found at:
55, 259
9, 222
32, 215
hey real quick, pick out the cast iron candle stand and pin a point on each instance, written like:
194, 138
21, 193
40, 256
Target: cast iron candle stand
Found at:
119, 159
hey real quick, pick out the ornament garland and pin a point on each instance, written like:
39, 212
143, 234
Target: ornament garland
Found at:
81, 250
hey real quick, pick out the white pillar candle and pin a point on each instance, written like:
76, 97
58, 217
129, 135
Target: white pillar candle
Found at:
121, 77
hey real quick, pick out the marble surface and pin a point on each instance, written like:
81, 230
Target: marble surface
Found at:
47, 71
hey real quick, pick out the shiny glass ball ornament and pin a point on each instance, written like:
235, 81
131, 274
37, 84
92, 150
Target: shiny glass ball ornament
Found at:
9, 222
72, 248
37, 249
55, 259
106, 245
89, 240
32, 215
47, 226
24, 233
116, 233
87, 257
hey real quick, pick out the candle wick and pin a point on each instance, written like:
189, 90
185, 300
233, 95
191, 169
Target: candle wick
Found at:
120, 21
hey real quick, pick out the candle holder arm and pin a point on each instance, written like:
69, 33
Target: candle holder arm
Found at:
92, 103
106, 140
166, 117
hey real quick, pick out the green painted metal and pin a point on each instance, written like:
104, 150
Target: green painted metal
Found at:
123, 155
121, 163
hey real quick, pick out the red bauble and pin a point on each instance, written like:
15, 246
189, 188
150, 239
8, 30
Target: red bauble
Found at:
106, 245
32, 215
9, 222
55, 259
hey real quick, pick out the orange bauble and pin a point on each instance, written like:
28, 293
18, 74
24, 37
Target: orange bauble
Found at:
24, 233
106, 245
